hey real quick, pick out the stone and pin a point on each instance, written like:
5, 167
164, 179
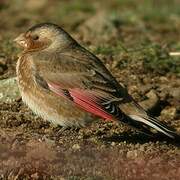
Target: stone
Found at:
9, 90
100, 26
152, 102
175, 93
169, 113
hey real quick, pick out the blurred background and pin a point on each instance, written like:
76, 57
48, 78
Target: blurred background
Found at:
134, 38
108, 27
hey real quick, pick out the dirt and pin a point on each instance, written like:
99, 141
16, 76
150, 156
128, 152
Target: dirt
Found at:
134, 44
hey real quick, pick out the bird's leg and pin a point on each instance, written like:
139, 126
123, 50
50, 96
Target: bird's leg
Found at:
75, 128
63, 129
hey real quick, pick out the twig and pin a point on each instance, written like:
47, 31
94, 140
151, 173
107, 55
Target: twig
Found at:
174, 53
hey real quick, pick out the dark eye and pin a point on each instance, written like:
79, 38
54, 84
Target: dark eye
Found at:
35, 37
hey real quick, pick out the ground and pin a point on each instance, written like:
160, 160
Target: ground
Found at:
133, 39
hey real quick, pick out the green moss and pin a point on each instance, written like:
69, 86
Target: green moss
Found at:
158, 60
103, 50
107, 50
154, 58
7, 47
66, 9
154, 11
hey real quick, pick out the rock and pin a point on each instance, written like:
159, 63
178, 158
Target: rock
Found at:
152, 101
9, 90
164, 79
164, 90
175, 93
113, 144
100, 25
146, 88
169, 113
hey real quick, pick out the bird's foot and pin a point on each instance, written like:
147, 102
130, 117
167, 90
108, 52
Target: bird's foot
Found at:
62, 130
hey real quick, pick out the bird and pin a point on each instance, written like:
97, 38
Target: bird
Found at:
64, 83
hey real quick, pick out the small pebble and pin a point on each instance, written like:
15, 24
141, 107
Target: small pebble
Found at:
76, 147
113, 144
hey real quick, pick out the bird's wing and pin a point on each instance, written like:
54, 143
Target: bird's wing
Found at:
84, 80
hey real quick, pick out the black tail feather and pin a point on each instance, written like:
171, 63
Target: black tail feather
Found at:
150, 126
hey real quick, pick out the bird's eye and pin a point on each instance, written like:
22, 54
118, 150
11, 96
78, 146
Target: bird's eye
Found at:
35, 37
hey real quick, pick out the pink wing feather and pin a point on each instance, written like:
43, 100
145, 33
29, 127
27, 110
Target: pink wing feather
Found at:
82, 98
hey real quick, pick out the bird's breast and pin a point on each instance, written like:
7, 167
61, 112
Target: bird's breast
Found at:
24, 71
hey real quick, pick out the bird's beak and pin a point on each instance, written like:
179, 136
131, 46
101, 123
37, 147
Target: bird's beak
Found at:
21, 40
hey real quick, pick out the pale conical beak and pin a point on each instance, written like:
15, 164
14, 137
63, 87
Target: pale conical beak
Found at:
21, 40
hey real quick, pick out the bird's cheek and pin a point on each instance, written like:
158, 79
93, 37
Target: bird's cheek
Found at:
34, 45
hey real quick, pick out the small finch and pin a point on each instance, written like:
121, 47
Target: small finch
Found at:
64, 83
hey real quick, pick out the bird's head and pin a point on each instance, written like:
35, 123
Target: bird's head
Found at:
45, 36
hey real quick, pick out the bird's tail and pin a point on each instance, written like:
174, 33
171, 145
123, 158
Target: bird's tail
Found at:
150, 126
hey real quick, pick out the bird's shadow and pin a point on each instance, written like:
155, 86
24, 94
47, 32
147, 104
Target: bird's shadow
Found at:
140, 138
131, 138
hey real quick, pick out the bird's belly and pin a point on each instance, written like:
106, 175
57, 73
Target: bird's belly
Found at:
55, 109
